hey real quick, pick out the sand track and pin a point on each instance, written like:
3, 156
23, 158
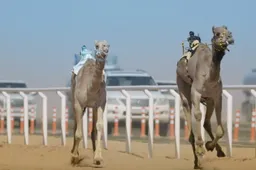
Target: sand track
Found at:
17, 156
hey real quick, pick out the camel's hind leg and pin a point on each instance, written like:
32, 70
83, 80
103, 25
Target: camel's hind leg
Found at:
184, 90
208, 128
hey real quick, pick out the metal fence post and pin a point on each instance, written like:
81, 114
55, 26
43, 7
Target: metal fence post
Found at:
128, 121
25, 108
150, 123
105, 127
85, 129
229, 121
254, 95
45, 119
177, 122
63, 116
8, 117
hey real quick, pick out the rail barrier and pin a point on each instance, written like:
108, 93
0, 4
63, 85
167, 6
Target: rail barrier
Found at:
124, 90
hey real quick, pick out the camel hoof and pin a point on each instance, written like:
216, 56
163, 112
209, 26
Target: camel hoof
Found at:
75, 160
220, 154
200, 151
197, 167
98, 162
197, 163
208, 146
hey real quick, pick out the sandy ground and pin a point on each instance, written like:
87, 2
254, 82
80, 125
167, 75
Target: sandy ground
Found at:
17, 156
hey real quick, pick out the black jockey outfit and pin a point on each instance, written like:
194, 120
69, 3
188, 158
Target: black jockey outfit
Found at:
192, 38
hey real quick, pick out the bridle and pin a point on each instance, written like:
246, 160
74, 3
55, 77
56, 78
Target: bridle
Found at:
100, 53
221, 46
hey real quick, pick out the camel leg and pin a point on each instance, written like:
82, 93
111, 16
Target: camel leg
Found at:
186, 104
220, 131
77, 110
196, 97
94, 129
77, 131
98, 159
208, 128
99, 126
184, 91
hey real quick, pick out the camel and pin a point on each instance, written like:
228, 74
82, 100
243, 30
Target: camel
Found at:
89, 90
199, 81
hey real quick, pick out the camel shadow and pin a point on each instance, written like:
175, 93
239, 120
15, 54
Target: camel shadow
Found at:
86, 161
133, 154
174, 158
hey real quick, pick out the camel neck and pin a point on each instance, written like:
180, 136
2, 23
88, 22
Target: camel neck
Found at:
100, 63
217, 56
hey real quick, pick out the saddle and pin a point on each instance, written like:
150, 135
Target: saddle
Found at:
187, 55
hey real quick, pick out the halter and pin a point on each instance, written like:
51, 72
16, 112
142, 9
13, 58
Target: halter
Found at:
100, 52
221, 45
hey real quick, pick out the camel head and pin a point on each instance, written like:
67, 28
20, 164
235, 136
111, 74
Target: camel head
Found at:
222, 37
102, 49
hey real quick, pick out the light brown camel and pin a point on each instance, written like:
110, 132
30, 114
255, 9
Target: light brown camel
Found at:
198, 80
89, 90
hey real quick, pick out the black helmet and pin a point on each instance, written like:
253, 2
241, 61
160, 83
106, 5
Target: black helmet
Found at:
191, 33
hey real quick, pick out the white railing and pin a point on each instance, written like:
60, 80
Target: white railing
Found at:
124, 90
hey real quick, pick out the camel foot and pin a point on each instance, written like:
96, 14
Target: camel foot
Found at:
209, 146
197, 163
220, 153
98, 162
197, 167
75, 160
200, 151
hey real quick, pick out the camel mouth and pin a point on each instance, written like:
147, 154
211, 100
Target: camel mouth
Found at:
101, 55
105, 51
230, 42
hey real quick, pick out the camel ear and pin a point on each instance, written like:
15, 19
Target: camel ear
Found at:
224, 26
213, 29
95, 42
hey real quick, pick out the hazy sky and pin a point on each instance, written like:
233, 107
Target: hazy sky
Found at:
39, 38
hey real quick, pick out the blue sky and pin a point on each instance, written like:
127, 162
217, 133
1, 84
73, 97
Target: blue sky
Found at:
39, 38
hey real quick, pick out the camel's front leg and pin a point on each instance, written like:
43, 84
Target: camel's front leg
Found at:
207, 126
220, 130
99, 126
196, 97
77, 132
